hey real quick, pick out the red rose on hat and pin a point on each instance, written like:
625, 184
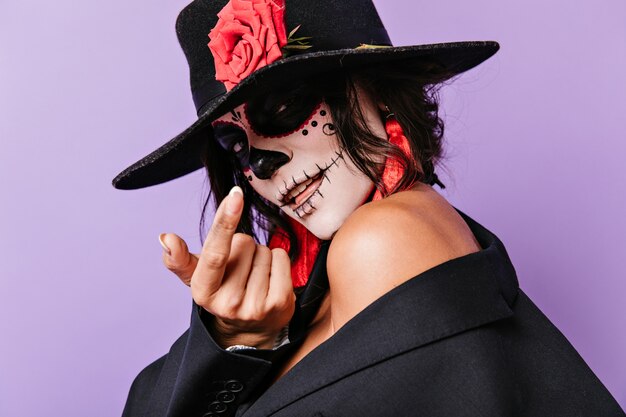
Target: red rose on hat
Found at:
248, 35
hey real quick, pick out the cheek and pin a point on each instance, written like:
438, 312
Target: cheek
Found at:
263, 188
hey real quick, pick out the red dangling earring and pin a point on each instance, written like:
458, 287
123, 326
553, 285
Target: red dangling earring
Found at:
393, 168
309, 246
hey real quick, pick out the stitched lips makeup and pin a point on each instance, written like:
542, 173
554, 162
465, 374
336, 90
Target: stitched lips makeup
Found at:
299, 194
303, 193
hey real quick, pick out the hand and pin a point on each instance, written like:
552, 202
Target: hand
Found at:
245, 286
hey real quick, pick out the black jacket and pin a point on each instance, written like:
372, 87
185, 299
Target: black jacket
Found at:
460, 339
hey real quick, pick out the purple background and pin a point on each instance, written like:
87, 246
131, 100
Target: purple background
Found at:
535, 153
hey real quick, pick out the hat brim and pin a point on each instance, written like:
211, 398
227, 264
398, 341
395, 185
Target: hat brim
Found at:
181, 155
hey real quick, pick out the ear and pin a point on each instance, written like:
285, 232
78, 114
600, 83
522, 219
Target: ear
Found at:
384, 114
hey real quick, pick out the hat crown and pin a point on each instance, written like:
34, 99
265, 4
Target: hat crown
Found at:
330, 24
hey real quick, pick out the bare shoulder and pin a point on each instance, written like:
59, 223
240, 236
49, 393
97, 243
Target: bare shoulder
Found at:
386, 242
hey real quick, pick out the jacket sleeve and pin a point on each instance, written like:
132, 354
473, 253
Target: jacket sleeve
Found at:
195, 377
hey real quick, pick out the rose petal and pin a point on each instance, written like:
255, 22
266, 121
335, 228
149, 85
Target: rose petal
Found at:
270, 39
225, 73
233, 66
232, 33
220, 71
247, 36
216, 30
264, 11
243, 51
241, 4
273, 11
226, 10
278, 13
220, 49
255, 56
274, 54
228, 75
262, 38
249, 18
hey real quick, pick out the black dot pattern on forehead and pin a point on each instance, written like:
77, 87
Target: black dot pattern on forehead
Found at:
305, 132
323, 113
249, 177
314, 123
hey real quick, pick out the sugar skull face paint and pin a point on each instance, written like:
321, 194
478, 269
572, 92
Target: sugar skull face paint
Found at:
290, 154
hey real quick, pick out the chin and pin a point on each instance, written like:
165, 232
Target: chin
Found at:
324, 227
331, 213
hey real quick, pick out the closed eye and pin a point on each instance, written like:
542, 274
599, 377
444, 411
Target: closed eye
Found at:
280, 113
281, 109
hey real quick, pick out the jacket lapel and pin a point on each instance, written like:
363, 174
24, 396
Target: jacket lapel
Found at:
161, 393
457, 295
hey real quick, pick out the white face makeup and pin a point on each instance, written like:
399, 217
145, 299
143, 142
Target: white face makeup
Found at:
291, 156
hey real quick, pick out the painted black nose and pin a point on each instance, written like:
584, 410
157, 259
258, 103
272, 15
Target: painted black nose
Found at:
264, 163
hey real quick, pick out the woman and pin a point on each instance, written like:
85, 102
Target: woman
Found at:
374, 295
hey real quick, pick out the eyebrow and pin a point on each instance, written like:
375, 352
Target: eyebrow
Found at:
225, 122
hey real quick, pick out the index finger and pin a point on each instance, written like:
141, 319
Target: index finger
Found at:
216, 248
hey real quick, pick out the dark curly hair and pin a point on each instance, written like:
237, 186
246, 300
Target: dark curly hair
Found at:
409, 91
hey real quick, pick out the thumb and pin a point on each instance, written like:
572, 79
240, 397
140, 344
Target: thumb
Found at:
177, 258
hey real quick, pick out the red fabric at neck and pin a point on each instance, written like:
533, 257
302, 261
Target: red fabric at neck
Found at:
308, 242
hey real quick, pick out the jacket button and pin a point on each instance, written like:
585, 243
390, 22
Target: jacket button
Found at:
225, 397
233, 386
218, 407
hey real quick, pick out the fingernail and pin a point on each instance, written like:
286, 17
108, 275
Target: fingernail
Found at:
165, 248
235, 200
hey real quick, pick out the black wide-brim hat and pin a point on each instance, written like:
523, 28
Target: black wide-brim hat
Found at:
335, 29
